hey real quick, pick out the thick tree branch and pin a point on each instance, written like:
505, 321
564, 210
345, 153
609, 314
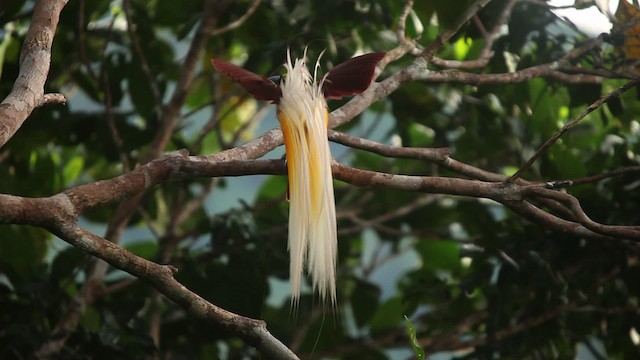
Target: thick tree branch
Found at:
441, 157
35, 59
512, 196
170, 116
161, 277
179, 166
59, 214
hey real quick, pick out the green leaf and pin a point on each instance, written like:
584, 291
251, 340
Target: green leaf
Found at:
200, 94
461, 48
367, 296
439, 254
210, 143
417, 349
22, 251
273, 188
388, 315
65, 263
72, 169
420, 135
144, 249
91, 319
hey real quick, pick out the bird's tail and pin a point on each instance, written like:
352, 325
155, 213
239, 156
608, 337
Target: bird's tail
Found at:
303, 116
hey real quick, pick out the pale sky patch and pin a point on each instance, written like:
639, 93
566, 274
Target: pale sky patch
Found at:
591, 20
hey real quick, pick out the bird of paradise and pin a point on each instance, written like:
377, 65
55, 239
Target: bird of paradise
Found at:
303, 115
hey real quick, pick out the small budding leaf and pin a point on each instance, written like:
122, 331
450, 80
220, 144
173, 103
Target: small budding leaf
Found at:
417, 349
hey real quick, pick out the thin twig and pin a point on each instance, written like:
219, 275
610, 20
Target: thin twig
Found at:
391, 215
402, 22
429, 52
489, 39
255, 118
111, 123
170, 116
606, 175
596, 104
135, 45
237, 23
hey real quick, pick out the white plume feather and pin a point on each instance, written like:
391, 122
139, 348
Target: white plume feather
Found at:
303, 116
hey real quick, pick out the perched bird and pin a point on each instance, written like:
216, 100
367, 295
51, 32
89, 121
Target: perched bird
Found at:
303, 115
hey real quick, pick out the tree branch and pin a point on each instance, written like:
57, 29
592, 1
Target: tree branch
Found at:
60, 212
238, 22
252, 331
512, 196
489, 39
596, 104
135, 46
429, 52
59, 215
178, 166
35, 58
170, 115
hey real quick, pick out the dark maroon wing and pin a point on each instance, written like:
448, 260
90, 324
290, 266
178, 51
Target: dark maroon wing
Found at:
352, 76
259, 86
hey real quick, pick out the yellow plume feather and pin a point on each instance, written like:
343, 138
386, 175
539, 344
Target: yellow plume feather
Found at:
303, 116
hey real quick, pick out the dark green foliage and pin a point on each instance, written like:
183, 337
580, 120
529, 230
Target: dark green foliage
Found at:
469, 274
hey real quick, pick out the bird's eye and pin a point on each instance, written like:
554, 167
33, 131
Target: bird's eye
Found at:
276, 79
